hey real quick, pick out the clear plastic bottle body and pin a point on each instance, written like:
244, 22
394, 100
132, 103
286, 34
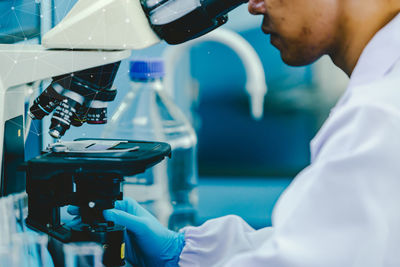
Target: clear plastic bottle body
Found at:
167, 189
182, 167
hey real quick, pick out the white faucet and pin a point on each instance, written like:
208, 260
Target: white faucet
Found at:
256, 86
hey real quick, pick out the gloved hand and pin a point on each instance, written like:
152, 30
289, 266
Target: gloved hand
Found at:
148, 243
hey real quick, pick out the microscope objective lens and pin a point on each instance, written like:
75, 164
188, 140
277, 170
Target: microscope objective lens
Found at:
45, 103
66, 114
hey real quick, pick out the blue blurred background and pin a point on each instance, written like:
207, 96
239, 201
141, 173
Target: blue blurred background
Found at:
244, 165
19, 20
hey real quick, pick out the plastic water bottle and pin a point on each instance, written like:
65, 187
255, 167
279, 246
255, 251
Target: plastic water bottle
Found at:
147, 113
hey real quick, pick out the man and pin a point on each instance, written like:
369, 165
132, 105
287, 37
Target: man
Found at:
344, 209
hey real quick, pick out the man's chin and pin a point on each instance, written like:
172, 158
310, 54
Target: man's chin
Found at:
296, 60
293, 55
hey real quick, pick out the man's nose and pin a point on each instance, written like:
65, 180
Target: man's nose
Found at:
257, 7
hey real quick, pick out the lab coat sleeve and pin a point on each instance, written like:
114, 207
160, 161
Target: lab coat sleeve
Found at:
213, 243
337, 212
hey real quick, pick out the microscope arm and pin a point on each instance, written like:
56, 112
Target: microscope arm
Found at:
82, 96
137, 24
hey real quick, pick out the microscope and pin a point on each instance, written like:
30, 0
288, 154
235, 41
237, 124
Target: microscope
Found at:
81, 55
86, 173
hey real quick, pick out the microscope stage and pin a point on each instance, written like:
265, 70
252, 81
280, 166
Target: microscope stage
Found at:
123, 157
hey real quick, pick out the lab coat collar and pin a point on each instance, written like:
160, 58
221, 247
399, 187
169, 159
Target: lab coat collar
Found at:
379, 56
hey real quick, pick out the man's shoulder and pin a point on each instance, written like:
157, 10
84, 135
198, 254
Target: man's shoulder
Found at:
369, 108
382, 94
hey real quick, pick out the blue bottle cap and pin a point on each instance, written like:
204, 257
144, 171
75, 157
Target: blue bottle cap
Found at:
146, 69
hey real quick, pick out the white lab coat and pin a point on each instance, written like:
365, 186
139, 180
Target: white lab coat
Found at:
344, 209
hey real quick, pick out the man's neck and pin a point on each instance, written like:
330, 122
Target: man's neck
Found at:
359, 23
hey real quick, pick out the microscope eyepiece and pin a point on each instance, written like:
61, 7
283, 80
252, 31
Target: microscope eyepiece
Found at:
178, 21
216, 8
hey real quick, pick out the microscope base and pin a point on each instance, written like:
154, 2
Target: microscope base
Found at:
110, 237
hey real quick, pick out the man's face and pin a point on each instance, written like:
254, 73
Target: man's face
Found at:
303, 30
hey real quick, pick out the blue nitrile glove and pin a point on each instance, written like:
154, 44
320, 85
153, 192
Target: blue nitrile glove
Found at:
71, 217
148, 243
